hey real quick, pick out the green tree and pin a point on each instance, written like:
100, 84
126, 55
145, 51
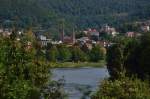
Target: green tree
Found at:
140, 57
137, 58
64, 53
96, 54
20, 74
78, 55
131, 60
115, 60
144, 58
53, 54
85, 49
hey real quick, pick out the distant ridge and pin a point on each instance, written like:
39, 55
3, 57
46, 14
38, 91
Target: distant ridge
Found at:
82, 13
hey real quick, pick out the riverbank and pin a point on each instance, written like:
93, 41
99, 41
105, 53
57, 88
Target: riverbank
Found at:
77, 65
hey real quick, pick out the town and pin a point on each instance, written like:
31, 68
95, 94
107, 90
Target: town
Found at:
87, 37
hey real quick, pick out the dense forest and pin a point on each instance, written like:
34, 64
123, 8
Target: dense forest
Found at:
80, 13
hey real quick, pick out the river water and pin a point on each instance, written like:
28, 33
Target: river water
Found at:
80, 82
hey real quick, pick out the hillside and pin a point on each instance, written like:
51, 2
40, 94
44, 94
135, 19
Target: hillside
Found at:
82, 13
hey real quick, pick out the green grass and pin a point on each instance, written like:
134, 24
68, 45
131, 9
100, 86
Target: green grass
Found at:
77, 65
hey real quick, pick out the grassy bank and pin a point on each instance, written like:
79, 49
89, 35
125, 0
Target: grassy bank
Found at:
77, 65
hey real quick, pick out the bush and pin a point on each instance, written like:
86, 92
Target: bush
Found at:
124, 88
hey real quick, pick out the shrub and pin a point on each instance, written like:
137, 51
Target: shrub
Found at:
124, 88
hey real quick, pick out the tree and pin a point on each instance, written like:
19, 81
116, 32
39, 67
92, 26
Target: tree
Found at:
96, 54
20, 73
85, 49
137, 58
78, 54
131, 62
134, 57
53, 54
105, 36
115, 61
131, 55
93, 13
64, 53
144, 63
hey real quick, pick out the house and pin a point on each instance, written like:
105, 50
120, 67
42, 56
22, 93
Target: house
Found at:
56, 42
83, 39
130, 34
43, 40
92, 34
133, 34
42, 37
67, 40
109, 30
104, 43
145, 28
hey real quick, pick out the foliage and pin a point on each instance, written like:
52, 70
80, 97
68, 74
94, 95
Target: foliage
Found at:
123, 88
137, 60
52, 54
78, 55
144, 58
22, 75
85, 49
64, 53
55, 90
96, 54
105, 36
18, 89
131, 52
14, 71
114, 60
131, 55
83, 14
101, 63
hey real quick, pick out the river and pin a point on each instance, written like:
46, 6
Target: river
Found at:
80, 82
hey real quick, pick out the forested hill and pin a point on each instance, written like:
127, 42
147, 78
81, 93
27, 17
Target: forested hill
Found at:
82, 13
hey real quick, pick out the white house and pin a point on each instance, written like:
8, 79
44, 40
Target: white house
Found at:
109, 30
44, 41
